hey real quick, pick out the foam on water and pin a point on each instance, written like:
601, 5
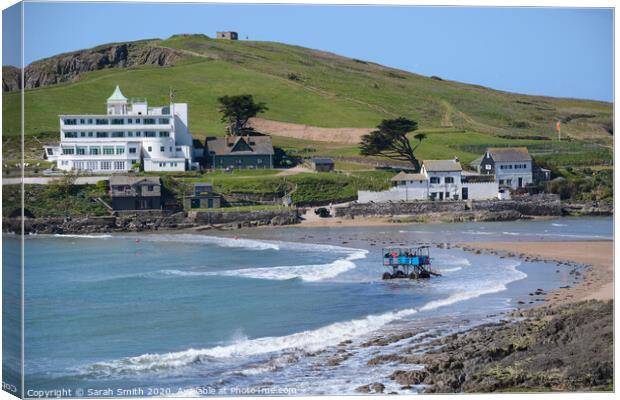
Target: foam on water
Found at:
311, 340
102, 236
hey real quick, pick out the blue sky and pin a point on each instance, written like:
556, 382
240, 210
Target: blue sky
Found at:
548, 51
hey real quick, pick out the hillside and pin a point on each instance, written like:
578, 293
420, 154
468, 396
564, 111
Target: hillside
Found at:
300, 86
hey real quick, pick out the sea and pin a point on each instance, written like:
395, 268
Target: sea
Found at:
267, 311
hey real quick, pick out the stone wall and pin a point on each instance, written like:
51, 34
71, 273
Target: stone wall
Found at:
246, 218
138, 222
527, 206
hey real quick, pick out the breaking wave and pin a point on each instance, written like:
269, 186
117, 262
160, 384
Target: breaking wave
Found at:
312, 340
308, 273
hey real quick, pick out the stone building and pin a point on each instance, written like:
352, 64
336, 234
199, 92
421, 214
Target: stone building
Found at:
227, 35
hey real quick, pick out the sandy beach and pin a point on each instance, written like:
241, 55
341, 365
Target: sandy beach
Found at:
598, 283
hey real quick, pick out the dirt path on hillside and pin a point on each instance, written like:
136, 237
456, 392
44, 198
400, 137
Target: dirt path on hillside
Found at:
307, 132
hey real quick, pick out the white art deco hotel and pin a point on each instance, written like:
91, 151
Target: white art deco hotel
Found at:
131, 133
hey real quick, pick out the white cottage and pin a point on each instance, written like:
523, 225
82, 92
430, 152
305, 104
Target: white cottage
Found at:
512, 166
129, 133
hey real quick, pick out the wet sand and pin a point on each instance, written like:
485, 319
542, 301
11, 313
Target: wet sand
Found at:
598, 283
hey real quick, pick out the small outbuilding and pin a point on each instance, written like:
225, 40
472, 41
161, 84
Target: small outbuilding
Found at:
202, 197
322, 164
135, 192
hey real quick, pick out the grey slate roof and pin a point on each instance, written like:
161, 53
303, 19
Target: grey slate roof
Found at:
509, 154
402, 176
319, 160
442, 165
223, 146
131, 180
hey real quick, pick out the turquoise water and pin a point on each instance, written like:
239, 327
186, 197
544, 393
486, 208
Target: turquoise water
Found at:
185, 312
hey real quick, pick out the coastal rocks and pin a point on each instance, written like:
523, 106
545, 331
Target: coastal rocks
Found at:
590, 208
371, 388
564, 348
408, 378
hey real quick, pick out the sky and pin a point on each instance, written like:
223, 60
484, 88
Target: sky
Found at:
566, 52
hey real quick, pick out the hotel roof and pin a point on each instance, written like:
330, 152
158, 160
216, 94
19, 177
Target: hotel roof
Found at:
117, 95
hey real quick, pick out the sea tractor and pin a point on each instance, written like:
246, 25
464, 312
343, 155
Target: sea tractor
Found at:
408, 262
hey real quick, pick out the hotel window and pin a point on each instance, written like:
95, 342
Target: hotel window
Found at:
162, 164
90, 121
435, 179
150, 134
90, 134
106, 165
134, 161
449, 179
150, 149
82, 134
138, 134
132, 150
171, 149
71, 121
108, 150
78, 165
129, 120
82, 121
64, 162
117, 121
119, 164
68, 150
137, 120
118, 134
178, 149
164, 121
162, 148
92, 165
120, 150
164, 134
93, 151
129, 134
80, 151
102, 134
50, 152
100, 121
149, 121
70, 134
150, 188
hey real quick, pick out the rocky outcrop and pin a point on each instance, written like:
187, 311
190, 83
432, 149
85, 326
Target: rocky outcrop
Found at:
70, 66
553, 349
589, 208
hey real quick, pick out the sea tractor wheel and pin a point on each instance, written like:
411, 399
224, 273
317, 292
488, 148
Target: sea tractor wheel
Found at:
387, 276
413, 275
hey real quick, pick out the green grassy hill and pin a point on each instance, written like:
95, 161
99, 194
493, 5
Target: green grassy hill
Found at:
316, 88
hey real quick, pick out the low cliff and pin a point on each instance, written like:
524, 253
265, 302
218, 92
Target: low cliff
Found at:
69, 66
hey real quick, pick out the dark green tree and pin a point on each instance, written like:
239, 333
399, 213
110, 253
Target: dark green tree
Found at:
390, 140
237, 111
